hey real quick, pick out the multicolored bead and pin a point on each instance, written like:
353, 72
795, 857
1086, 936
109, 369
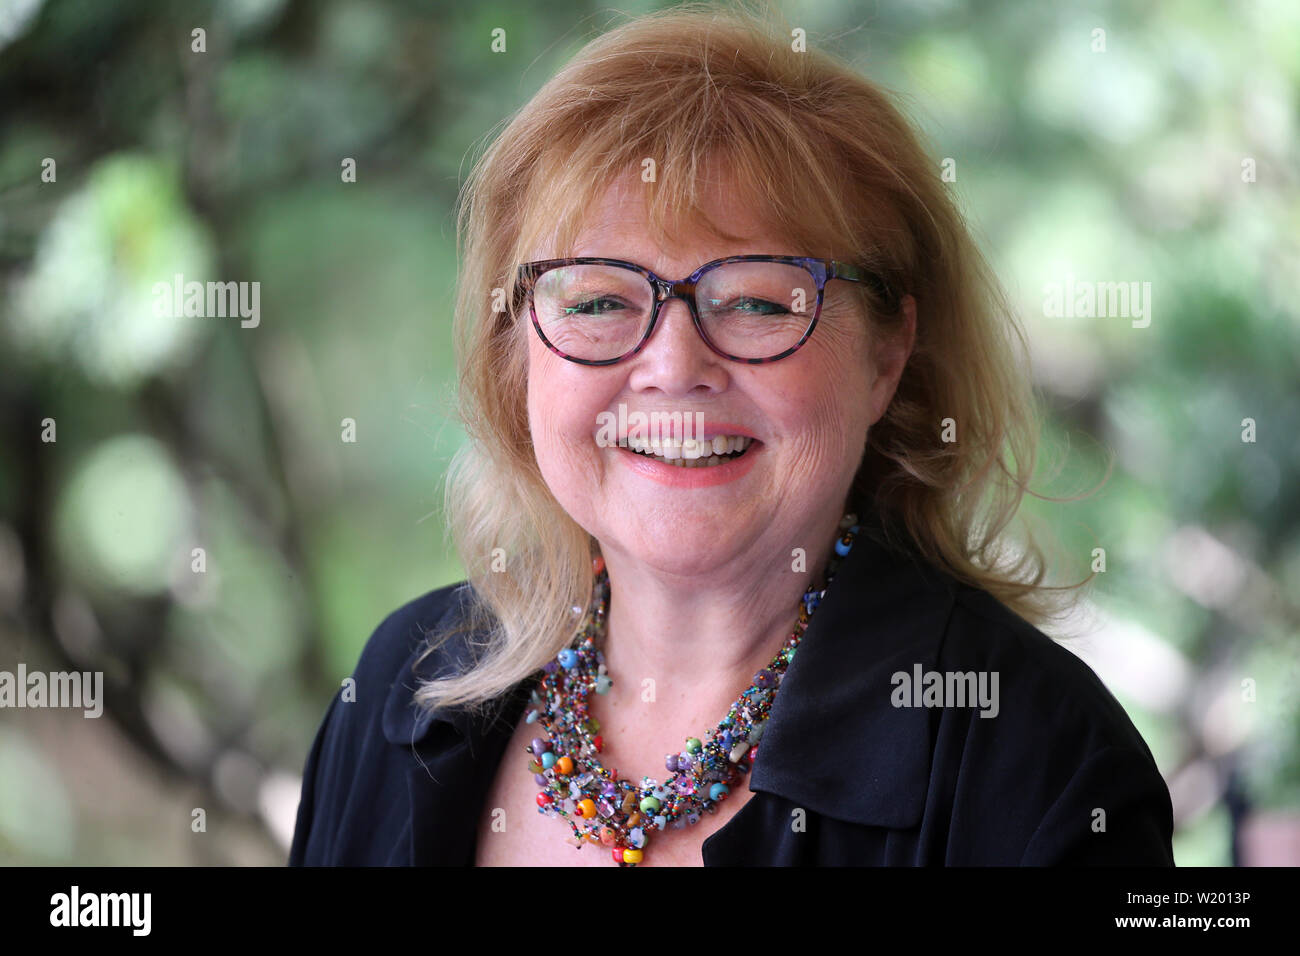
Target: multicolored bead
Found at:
605, 810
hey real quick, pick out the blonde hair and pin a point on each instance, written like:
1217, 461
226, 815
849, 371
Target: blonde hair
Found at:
839, 170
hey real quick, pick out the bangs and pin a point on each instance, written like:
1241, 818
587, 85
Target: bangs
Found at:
694, 156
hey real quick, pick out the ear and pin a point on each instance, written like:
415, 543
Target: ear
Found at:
891, 348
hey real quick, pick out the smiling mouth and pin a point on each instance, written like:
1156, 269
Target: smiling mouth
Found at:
712, 461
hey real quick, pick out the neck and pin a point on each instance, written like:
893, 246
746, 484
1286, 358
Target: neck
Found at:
680, 650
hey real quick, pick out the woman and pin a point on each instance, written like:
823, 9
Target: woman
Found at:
791, 637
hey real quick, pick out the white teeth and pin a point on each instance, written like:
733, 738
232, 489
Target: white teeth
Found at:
704, 449
691, 453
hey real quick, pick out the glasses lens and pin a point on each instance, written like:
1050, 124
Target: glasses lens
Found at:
756, 310
593, 312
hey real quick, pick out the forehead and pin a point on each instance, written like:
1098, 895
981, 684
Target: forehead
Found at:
618, 224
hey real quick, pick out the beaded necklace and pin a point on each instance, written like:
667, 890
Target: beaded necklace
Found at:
598, 806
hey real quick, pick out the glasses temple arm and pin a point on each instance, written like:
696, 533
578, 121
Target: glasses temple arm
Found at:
844, 270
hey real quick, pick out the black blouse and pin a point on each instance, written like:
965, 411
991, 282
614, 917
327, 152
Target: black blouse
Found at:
855, 768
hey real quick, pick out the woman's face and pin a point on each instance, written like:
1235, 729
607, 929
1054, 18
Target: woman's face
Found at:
809, 411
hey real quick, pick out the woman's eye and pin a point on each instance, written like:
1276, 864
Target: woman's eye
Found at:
590, 307
759, 306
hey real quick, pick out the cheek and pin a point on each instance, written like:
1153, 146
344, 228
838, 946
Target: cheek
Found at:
838, 429
561, 424
564, 463
849, 368
546, 424
827, 403
554, 428
842, 335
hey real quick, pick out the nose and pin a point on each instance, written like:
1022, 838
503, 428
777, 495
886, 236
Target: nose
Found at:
676, 359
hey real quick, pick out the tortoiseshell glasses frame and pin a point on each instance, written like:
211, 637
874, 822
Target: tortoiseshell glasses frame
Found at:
822, 270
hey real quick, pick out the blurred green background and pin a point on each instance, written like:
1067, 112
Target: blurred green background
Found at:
1167, 157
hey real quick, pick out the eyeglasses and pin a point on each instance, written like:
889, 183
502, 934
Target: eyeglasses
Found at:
752, 309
